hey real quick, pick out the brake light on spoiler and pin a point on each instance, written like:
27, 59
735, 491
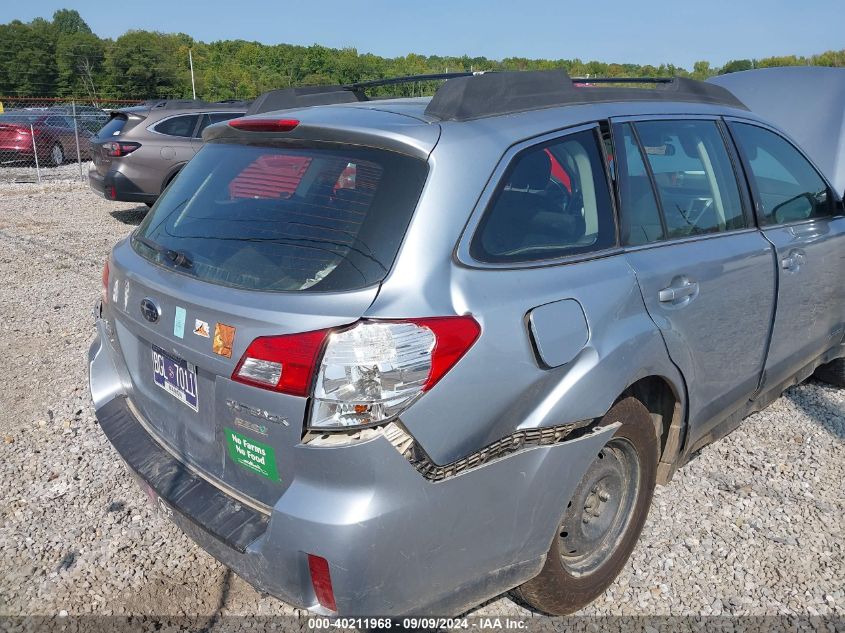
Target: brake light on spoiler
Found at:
361, 375
263, 125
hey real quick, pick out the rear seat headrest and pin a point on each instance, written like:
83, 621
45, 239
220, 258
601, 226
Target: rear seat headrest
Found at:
532, 172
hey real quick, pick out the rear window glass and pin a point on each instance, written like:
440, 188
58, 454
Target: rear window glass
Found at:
553, 202
286, 219
16, 117
114, 127
58, 121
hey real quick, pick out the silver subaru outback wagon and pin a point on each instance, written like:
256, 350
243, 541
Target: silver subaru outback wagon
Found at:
399, 356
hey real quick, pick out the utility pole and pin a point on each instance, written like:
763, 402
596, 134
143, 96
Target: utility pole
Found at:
191, 62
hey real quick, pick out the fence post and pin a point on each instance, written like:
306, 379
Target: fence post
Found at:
35, 153
76, 133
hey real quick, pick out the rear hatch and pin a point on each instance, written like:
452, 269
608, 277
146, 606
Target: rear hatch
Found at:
119, 124
250, 241
15, 130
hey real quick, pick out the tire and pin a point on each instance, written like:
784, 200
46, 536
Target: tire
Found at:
605, 528
57, 155
169, 180
833, 372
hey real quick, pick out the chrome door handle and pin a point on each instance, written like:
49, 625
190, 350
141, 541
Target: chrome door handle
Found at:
673, 293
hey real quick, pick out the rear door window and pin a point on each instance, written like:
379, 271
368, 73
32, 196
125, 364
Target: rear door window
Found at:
788, 187
178, 125
211, 118
554, 201
694, 177
285, 219
641, 222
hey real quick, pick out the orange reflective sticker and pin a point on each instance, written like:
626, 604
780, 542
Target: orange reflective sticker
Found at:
224, 337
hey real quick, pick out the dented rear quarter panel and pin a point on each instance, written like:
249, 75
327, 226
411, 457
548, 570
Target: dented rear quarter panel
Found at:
501, 385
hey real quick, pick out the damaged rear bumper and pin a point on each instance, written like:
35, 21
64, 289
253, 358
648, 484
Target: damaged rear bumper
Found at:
396, 543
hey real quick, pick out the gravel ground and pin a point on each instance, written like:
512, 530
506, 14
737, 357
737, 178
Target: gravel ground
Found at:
754, 526
22, 174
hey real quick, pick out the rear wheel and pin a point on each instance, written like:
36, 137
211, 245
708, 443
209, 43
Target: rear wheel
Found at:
57, 155
169, 180
833, 372
604, 518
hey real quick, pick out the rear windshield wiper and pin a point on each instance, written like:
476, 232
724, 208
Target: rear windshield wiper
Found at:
178, 258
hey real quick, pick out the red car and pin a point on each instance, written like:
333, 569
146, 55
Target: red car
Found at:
54, 137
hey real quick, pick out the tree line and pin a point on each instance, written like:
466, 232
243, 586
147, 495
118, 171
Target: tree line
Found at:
63, 57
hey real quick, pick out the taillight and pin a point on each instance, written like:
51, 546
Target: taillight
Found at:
373, 371
367, 374
321, 580
120, 148
105, 292
281, 363
264, 125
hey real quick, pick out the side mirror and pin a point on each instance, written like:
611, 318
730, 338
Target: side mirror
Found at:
795, 209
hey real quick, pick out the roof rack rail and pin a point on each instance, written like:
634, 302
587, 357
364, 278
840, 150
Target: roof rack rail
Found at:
182, 104
304, 96
474, 95
622, 80
498, 93
408, 79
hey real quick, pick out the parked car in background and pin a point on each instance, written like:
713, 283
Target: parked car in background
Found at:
87, 117
48, 135
142, 148
400, 359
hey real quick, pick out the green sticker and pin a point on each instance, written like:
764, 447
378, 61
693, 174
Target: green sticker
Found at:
252, 455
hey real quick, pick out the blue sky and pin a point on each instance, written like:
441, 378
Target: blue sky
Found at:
638, 31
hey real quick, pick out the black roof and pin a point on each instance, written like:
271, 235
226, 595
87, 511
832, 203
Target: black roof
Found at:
467, 96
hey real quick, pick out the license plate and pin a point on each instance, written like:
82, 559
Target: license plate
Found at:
175, 376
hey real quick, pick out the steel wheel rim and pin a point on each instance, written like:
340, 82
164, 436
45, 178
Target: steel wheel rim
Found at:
57, 155
600, 510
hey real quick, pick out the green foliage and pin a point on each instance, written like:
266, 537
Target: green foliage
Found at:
148, 64
737, 65
702, 70
28, 62
79, 64
63, 57
69, 22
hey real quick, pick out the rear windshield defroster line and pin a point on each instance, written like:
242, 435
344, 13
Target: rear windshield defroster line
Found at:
285, 219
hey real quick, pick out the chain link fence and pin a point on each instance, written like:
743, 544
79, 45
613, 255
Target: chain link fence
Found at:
49, 139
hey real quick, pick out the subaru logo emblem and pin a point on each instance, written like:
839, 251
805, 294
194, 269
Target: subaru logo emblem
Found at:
150, 310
